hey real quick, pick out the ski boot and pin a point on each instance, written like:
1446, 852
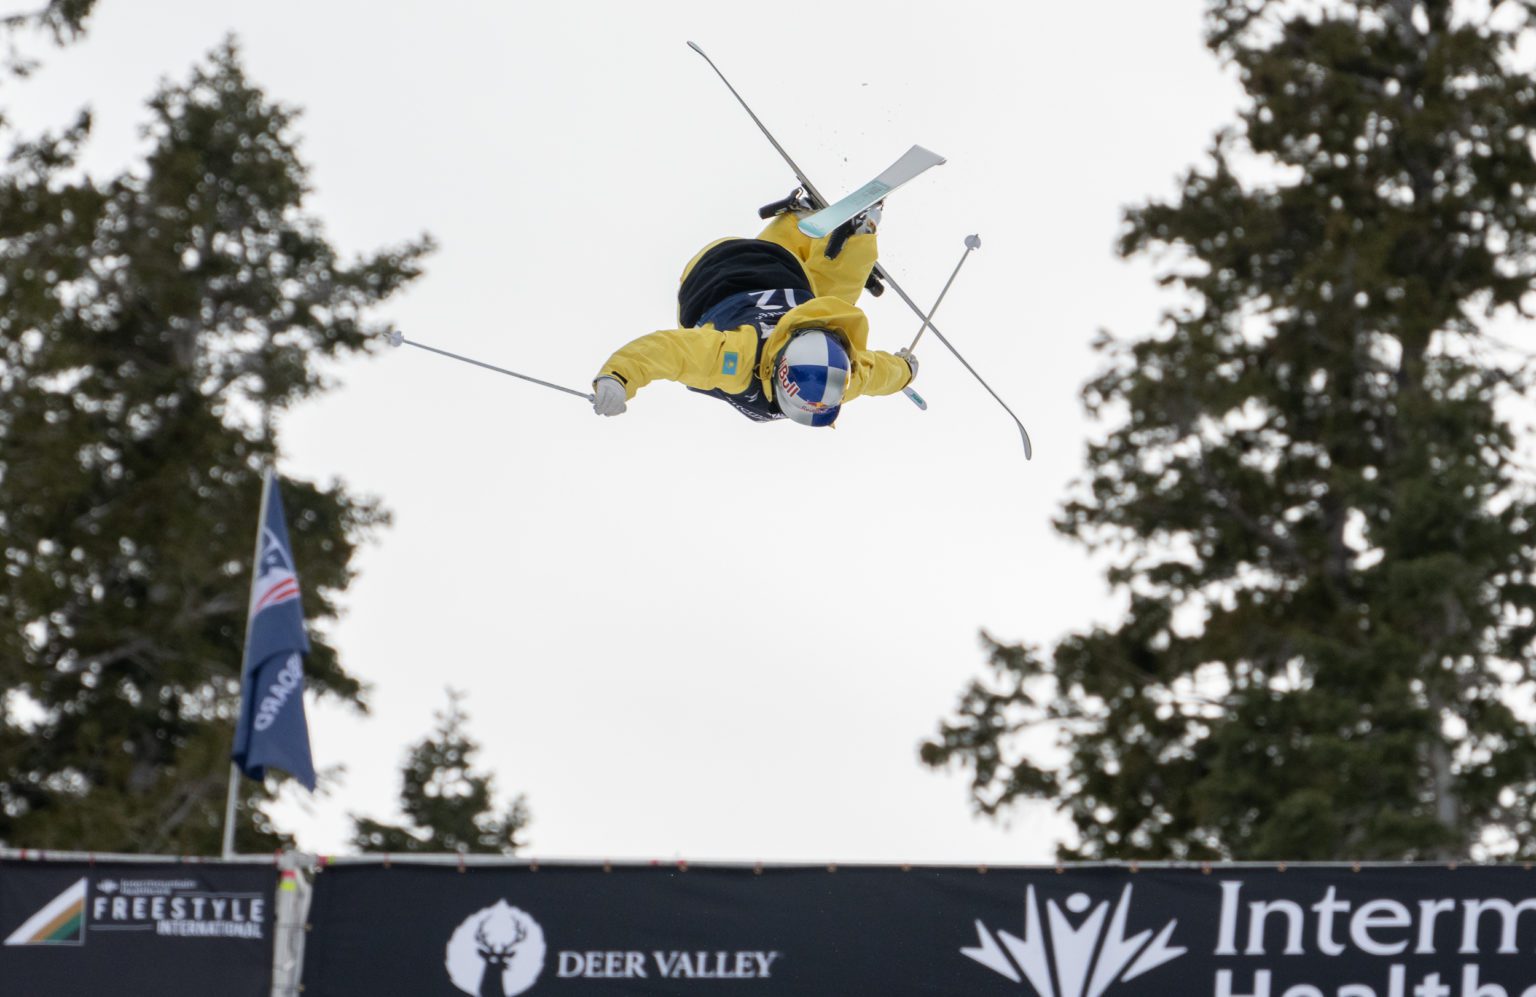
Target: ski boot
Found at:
862, 223
800, 201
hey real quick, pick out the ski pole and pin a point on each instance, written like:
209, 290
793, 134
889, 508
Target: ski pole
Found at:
810, 188
396, 338
880, 271
1029, 451
816, 199
971, 242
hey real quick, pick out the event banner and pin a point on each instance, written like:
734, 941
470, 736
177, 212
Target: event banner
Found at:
165, 929
1226, 931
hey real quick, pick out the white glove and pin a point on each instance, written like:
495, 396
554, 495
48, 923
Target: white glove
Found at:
906, 355
608, 396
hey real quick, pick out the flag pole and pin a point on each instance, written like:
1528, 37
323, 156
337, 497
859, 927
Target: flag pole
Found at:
228, 850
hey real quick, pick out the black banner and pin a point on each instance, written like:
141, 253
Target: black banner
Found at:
1083, 932
165, 929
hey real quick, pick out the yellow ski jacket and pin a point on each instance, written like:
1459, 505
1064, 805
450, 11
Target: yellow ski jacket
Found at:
707, 358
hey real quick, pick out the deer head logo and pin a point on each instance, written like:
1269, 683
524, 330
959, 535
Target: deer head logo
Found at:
496, 952
496, 956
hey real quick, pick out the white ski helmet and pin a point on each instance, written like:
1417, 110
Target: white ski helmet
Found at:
809, 377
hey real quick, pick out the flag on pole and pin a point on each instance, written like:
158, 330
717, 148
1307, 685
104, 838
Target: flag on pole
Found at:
272, 729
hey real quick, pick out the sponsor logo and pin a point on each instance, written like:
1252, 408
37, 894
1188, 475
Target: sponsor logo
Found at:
792, 390
747, 964
173, 908
500, 951
289, 680
496, 952
61, 921
1329, 942
1075, 949
1366, 933
785, 384
176, 908
275, 579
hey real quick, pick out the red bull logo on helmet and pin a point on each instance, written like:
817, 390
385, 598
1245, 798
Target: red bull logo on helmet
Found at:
809, 377
791, 389
785, 384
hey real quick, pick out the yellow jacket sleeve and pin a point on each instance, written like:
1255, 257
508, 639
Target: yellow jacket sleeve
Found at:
703, 358
876, 372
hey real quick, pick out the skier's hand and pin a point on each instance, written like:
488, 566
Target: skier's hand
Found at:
608, 396
906, 355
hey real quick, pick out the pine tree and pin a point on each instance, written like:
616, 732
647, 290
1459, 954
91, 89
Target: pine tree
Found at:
64, 20
449, 805
152, 326
1311, 492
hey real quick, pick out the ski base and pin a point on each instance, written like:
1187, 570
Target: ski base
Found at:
913, 163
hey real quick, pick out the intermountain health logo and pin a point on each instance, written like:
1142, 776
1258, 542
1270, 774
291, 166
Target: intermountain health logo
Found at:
60, 922
1074, 948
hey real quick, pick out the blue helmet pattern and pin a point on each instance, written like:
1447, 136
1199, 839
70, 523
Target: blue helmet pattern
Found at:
810, 376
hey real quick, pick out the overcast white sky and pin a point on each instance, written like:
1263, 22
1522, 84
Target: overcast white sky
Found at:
684, 634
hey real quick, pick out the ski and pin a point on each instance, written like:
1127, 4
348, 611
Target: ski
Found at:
912, 163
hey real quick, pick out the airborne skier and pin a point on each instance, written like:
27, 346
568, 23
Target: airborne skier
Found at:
770, 325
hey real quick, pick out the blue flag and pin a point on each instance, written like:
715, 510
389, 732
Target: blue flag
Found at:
272, 728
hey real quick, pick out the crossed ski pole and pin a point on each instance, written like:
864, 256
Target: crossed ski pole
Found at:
396, 338
971, 242
880, 271
1029, 451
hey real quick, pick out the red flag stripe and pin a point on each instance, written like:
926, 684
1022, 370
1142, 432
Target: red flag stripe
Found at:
281, 592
